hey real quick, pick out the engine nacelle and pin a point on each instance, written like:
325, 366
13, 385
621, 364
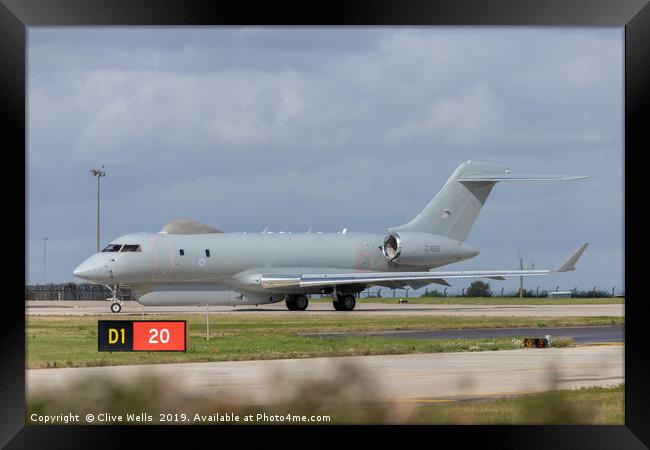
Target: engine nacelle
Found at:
424, 249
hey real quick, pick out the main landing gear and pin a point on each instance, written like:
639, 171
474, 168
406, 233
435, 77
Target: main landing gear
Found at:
344, 302
297, 302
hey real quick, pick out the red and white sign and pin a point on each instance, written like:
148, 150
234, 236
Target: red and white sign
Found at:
159, 336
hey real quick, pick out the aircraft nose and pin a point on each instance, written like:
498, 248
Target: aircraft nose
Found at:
89, 270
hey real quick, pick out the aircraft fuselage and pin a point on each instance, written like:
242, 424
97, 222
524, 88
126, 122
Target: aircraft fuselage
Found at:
208, 267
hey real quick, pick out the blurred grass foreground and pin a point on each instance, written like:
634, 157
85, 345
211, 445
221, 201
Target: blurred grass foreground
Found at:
348, 397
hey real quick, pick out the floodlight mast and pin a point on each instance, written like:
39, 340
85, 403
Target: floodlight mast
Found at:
98, 173
45, 238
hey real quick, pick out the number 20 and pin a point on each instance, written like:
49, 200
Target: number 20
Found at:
154, 334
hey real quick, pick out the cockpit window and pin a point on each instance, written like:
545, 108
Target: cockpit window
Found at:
112, 248
131, 248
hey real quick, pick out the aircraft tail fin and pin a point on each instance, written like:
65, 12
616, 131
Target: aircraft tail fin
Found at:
453, 211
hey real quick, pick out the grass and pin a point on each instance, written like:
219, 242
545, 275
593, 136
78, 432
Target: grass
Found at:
487, 300
66, 341
562, 341
595, 405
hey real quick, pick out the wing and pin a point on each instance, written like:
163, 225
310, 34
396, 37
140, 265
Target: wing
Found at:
387, 278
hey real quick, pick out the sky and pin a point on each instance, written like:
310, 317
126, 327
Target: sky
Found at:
327, 128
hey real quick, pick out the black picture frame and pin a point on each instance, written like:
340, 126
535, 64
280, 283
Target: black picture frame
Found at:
634, 15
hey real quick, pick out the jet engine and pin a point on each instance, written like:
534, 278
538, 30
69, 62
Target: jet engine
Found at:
424, 249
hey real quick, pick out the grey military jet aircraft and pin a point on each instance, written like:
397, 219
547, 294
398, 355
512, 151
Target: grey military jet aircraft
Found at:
189, 263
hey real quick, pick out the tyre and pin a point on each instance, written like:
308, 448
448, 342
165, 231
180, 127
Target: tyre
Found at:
301, 302
116, 307
345, 303
291, 303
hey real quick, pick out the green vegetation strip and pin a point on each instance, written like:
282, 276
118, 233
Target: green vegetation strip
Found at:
72, 341
486, 300
597, 405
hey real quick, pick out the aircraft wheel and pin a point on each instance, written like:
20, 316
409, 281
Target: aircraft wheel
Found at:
345, 303
297, 302
301, 302
291, 303
116, 307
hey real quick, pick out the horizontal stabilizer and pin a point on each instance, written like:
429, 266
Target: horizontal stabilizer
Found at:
509, 177
496, 278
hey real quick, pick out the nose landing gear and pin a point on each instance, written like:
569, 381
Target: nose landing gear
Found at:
116, 302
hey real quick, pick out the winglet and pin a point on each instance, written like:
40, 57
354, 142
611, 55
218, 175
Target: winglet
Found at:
570, 263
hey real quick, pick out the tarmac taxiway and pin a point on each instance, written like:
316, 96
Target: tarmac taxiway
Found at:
407, 378
80, 308
582, 335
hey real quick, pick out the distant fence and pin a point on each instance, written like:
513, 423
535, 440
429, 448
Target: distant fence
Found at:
536, 293
72, 291
88, 291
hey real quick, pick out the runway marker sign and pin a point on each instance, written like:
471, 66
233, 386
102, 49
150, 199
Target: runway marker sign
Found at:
142, 335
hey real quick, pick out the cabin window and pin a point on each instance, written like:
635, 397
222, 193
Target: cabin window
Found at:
182, 252
131, 248
112, 248
207, 253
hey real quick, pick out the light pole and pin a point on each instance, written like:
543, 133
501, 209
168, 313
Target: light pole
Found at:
98, 173
521, 279
44, 256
